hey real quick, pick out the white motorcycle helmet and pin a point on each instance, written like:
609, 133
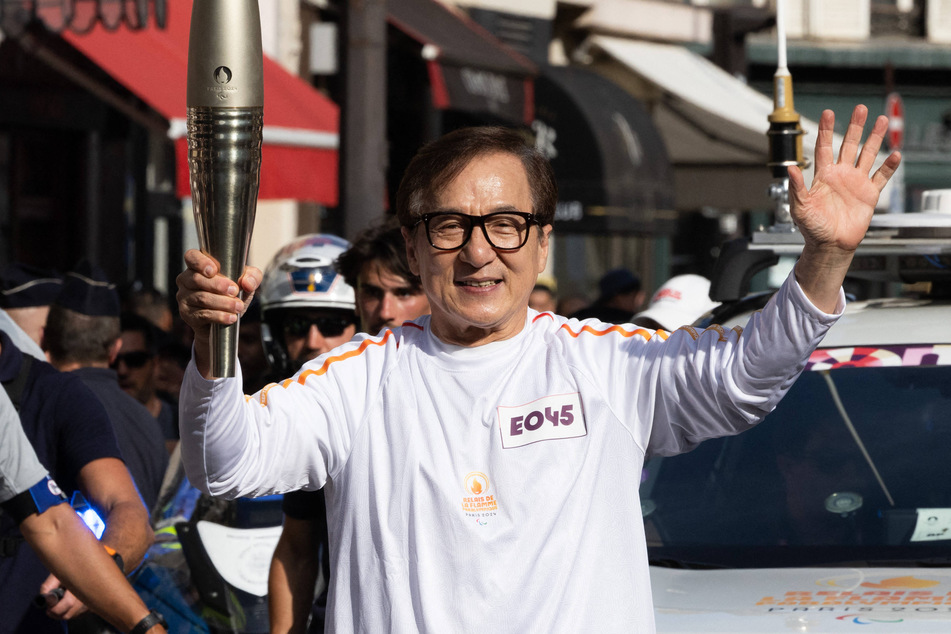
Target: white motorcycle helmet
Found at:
301, 275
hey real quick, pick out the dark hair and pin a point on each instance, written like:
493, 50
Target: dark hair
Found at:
134, 322
71, 337
382, 242
437, 163
176, 352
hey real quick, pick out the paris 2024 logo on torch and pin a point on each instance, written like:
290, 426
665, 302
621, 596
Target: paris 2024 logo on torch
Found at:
223, 77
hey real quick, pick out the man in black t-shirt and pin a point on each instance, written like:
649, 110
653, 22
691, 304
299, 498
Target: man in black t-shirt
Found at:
73, 439
82, 337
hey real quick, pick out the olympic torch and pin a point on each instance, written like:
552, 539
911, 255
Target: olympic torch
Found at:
225, 119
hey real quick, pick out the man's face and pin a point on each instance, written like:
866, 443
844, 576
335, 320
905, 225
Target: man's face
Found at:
385, 299
309, 333
136, 367
479, 294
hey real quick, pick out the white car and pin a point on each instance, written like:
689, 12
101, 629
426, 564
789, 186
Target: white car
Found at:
834, 514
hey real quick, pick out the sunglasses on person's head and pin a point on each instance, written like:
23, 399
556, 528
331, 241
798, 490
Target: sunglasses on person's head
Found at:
299, 325
134, 359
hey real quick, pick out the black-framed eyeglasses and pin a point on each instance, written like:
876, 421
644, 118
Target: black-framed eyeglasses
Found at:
504, 230
299, 325
134, 360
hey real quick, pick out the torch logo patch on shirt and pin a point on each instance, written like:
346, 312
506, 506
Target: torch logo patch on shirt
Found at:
548, 418
478, 502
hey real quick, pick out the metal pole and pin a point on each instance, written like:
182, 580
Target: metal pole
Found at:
364, 153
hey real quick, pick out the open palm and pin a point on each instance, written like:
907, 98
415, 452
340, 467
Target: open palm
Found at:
834, 213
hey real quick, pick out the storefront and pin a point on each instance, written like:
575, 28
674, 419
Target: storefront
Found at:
445, 72
615, 181
93, 150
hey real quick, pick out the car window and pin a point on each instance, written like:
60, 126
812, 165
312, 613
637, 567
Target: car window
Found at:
853, 464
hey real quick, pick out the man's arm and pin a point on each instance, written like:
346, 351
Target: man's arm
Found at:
293, 577
834, 213
56, 534
69, 549
108, 487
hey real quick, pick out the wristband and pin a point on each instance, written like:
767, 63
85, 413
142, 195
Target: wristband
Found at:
149, 621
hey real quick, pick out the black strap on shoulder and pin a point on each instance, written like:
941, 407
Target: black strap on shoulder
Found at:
15, 386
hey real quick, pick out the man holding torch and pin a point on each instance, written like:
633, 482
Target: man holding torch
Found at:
480, 465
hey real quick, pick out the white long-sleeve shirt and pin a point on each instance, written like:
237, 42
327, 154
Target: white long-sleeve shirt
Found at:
495, 488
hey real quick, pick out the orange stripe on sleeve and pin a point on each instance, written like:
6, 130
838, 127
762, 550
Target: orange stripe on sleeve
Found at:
346, 355
264, 392
323, 369
640, 332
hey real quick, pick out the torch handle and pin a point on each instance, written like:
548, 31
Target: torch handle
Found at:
224, 350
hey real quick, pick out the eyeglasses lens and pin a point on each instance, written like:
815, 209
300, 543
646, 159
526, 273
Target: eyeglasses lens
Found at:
504, 230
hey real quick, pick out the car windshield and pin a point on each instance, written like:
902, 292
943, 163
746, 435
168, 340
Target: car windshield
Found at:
853, 467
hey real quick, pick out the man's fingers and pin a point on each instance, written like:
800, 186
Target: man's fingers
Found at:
853, 135
872, 145
203, 300
47, 599
209, 307
886, 171
190, 281
66, 608
206, 297
202, 263
824, 153
797, 182
251, 280
50, 584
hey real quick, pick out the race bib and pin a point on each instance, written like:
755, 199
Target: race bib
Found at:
548, 418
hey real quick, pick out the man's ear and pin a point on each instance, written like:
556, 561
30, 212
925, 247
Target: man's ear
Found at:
114, 350
544, 233
411, 258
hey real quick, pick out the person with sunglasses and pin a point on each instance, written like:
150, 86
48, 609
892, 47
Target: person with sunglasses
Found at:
307, 308
136, 367
481, 465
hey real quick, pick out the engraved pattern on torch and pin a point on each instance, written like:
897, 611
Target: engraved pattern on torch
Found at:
224, 161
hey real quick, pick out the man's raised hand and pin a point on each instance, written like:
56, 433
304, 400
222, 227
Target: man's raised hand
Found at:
835, 211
